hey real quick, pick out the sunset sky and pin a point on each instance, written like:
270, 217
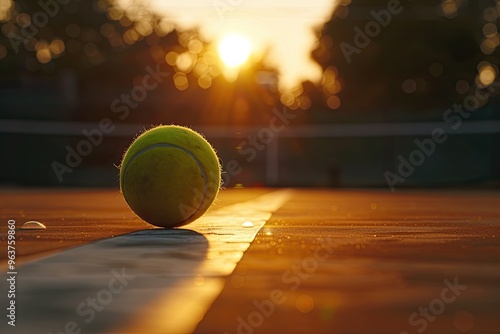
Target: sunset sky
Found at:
284, 31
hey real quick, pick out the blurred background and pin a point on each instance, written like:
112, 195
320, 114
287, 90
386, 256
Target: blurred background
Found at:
347, 93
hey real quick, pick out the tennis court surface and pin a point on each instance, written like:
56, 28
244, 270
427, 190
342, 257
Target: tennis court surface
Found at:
260, 261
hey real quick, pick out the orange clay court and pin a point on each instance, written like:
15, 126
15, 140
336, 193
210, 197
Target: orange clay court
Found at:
260, 261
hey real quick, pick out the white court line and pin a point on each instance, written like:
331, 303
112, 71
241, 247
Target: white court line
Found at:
180, 310
171, 276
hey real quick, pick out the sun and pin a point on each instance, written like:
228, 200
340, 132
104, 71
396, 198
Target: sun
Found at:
234, 50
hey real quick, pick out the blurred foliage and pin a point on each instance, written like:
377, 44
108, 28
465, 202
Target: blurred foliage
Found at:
427, 56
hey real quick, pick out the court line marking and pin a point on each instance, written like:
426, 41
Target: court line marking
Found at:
180, 310
176, 275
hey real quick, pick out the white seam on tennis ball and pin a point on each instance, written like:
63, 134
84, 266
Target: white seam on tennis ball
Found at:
166, 145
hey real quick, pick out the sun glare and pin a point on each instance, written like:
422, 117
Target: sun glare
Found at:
279, 33
234, 50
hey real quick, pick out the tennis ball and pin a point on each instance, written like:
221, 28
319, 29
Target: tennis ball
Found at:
169, 176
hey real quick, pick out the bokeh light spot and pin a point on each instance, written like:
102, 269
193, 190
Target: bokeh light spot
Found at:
181, 81
185, 61
195, 46
107, 29
287, 98
462, 86
130, 36
409, 86
304, 102
490, 30
490, 14
44, 56
333, 102
164, 27
171, 58
23, 20
57, 47
237, 281
436, 69
450, 8
205, 81
304, 303
463, 321
201, 68
487, 75
115, 13
5, 7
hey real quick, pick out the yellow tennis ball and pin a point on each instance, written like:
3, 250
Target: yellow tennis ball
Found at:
170, 175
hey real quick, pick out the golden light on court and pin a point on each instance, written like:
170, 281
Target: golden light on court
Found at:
199, 280
463, 321
237, 281
487, 74
304, 303
234, 50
